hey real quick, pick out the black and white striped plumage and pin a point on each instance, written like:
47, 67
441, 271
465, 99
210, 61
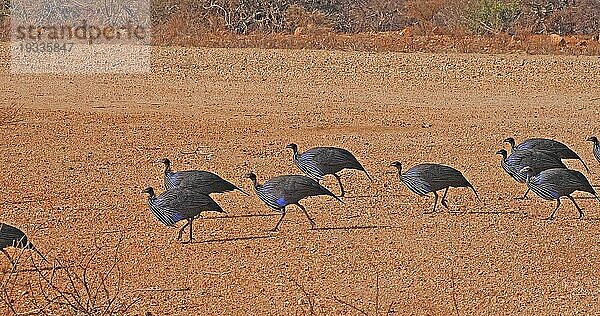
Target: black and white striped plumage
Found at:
426, 178
596, 148
11, 236
552, 184
318, 162
519, 159
201, 181
178, 204
281, 191
559, 149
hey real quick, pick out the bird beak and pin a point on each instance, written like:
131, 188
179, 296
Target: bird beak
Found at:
589, 139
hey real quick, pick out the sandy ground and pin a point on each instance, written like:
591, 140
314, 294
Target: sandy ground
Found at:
86, 146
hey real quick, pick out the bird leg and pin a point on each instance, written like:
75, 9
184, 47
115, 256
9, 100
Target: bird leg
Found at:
339, 180
444, 201
312, 222
434, 203
276, 228
551, 217
180, 235
191, 221
12, 262
524, 195
577, 206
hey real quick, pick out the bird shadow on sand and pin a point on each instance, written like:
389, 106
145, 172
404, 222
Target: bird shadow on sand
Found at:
487, 213
352, 227
584, 197
594, 219
370, 196
233, 239
241, 216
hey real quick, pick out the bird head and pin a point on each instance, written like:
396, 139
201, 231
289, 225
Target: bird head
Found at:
502, 152
148, 190
592, 139
528, 170
250, 175
397, 164
292, 146
166, 161
510, 141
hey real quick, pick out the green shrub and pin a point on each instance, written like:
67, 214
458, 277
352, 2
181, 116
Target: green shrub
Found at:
492, 16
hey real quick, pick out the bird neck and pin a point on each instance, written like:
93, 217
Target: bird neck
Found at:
151, 195
168, 169
400, 172
295, 154
256, 184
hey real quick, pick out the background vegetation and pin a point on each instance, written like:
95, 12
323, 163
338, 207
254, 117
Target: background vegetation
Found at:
345, 24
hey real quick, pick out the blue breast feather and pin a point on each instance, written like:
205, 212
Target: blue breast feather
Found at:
281, 202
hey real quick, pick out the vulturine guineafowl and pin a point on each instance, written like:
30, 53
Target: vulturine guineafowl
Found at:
552, 184
201, 181
519, 159
426, 178
544, 144
281, 191
596, 148
11, 236
318, 162
178, 204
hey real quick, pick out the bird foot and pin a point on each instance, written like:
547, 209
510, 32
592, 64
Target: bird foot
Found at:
445, 204
189, 241
521, 198
549, 218
273, 230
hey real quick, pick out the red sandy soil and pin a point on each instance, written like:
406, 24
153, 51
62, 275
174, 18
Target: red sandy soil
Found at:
85, 146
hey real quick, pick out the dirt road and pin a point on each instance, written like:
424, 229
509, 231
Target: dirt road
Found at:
85, 146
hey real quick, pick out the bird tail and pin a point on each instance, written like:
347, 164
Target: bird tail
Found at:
368, 176
475, 191
246, 193
331, 194
585, 166
338, 198
39, 254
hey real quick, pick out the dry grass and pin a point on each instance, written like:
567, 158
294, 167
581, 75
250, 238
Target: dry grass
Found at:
404, 26
93, 286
